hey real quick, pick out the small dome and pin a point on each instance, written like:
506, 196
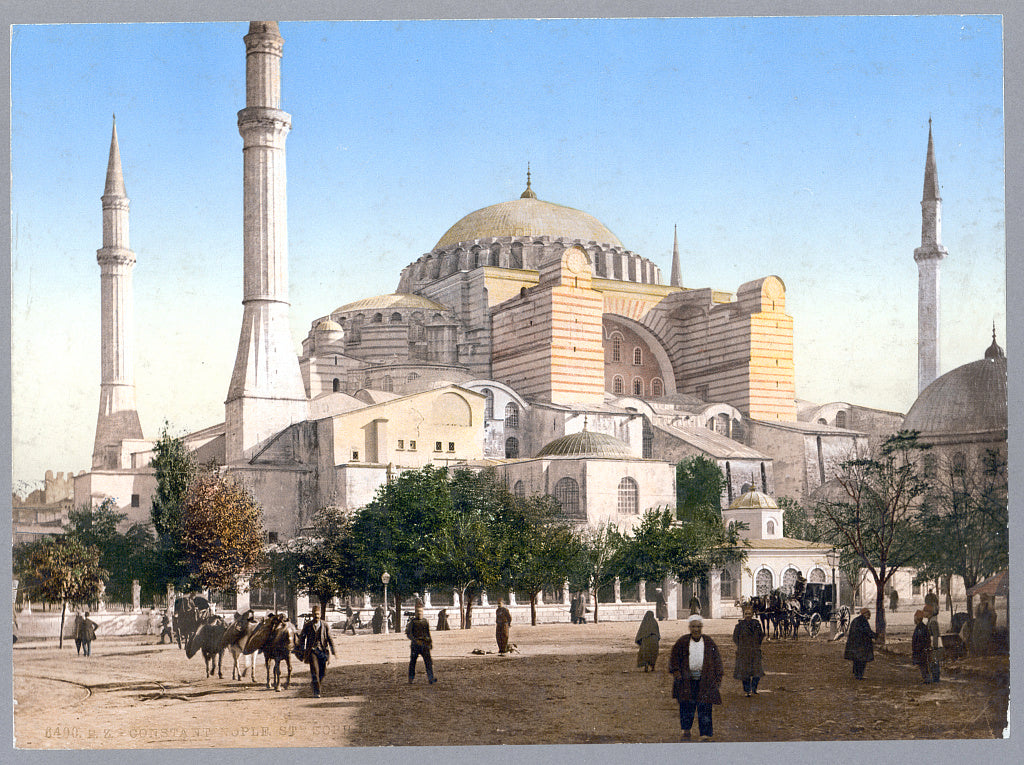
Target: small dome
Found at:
753, 500
528, 217
969, 399
396, 300
587, 444
329, 325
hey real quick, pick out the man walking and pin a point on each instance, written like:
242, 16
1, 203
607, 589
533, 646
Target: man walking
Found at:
314, 642
696, 667
860, 646
418, 632
502, 624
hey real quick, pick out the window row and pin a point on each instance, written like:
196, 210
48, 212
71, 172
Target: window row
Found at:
638, 353
619, 386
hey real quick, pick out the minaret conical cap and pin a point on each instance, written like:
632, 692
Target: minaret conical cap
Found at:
931, 174
677, 271
115, 178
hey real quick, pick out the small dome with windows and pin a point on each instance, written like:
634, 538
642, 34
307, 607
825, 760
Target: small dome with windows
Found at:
754, 500
587, 444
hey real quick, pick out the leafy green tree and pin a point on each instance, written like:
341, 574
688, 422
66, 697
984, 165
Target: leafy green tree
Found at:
597, 561
965, 526
699, 486
97, 527
221, 532
875, 513
175, 468
65, 571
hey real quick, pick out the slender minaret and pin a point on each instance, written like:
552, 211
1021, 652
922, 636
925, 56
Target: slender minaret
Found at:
928, 256
677, 271
266, 392
118, 418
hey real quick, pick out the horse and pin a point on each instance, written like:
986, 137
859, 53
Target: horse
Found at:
235, 638
189, 614
275, 637
209, 639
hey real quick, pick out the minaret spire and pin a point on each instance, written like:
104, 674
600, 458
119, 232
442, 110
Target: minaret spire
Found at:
928, 257
266, 393
677, 271
529, 193
118, 417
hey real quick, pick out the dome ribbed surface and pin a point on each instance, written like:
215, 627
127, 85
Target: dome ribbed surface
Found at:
587, 444
396, 300
528, 217
969, 399
327, 325
754, 500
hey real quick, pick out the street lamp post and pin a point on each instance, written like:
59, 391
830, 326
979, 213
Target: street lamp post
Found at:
386, 577
833, 560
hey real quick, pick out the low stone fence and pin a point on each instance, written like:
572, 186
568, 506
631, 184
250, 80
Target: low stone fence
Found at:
47, 624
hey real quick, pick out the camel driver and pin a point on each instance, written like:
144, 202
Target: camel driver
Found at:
314, 643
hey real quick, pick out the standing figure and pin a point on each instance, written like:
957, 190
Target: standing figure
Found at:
981, 628
894, 600
921, 646
86, 634
442, 620
932, 615
77, 631
696, 667
860, 647
694, 605
377, 622
660, 606
314, 642
648, 638
748, 635
574, 609
502, 623
418, 632
165, 627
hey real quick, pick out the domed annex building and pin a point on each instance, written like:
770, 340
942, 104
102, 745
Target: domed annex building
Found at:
528, 337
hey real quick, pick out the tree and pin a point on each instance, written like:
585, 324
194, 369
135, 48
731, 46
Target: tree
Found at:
699, 486
65, 571
175, 468
97, 527
874, 514
965, 526
221, 531
596, 562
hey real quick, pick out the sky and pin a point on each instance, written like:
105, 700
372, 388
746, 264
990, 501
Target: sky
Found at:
786, 146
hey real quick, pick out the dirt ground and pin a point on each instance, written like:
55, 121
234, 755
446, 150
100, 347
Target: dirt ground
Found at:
566, 684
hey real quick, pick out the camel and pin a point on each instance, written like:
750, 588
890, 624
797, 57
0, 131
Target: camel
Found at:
235, 638
208, 638
275, 636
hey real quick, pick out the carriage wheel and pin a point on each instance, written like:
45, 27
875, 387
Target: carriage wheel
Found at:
844, 618
815, 624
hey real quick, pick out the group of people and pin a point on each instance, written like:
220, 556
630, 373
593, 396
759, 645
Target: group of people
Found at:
85, 633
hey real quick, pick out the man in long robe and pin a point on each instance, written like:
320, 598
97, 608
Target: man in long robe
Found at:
502, 624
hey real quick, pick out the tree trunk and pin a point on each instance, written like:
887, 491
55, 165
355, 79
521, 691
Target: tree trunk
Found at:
462, 608
595, 605
880, 611
60, 636
469, 608
533, 609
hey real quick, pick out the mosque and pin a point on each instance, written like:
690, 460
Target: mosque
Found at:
529, 337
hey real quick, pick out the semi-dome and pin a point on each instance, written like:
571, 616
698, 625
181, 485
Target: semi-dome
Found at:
754, 500
528, 217
395, 300
587, 444
329, 325
969, 399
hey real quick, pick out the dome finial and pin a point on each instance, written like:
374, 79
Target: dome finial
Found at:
584, 423
994, 351
528, 194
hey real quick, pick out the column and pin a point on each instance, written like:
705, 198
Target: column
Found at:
617, 588
642, 590
565, 593
426, 598
136, 595
671, 589
715, 593
512, 598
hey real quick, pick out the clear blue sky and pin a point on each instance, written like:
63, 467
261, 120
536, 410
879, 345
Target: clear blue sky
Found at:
790, 146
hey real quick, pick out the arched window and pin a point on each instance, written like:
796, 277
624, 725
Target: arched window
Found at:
638, 386
337, 385
618, 386
770, 528
638, 357
516, 258
396, 318
657, 387
377, 318
628, 497
841, 419
411, 377
511, 415
763, 582
789, 580
817, 576
616, 347
389, 384
519, 490
488, 404
822, 421
648, 440
511, 448
567, 493
727, 588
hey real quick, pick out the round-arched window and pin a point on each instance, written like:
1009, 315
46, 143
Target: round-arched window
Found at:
763, 582
567, 493
817, 575
519, 489
511, 448
511, 415
789, 580
629, 494
618, 386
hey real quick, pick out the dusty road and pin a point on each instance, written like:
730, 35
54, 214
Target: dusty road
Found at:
566, 685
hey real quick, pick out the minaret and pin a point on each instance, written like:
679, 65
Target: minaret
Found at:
118, 418
928, 256
266, 392
677, 271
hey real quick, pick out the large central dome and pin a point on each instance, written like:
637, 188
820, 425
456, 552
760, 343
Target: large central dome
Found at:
528, 216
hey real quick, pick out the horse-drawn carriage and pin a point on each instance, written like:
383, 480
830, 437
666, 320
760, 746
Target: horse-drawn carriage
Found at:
809, 606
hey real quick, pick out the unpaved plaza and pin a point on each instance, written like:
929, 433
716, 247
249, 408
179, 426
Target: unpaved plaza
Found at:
566, 685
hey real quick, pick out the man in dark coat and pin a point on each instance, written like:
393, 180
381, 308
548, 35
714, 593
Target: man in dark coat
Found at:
314, 642
696, 667
377, 622
86, 634
418, 632
860, 646
660, 606
502, 623
921, 646
748, 636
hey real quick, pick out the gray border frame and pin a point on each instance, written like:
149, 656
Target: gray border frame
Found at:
56, 11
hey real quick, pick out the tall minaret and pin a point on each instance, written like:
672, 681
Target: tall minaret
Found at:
266, 392
677, 271
118, 418
928, 256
